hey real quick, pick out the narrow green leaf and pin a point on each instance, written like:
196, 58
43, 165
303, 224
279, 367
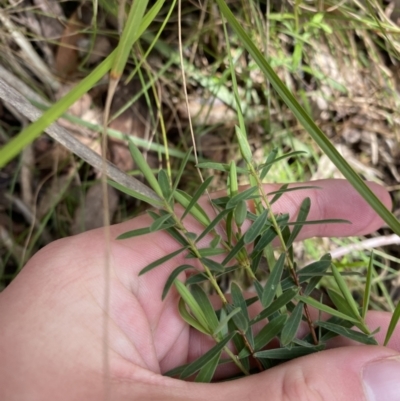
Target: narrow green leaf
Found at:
181, 170
162, 260
145, 168
268, 164
128, 37
164, 184
189, 319
215, 241
207, 371
243, 145
277, 194
302, 216
191, 302
324, 308
281, 301
349, 333
157, 224
240, 213
221, 167
269, 332
174, 233
392, 325
215, 267
196, 210
292, 325
255, 229
368, 286
345, 290
272, 159
340, 303
203, 301
207, 252
233, 184
136, 195
239, 245
239, 301
273, 281
134, 233
284, 353
242, 196
171, 278
267, 237
225, 320
203, 187
212, 225
204, 359
259, 289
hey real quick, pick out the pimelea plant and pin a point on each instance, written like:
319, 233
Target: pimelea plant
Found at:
285, 296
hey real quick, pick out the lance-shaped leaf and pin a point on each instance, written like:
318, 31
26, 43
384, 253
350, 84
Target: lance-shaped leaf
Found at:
268, 163
212, 225
272, 159
171, 278
345, 291
393, 323
240, 213
204, 359
340, 303
180, 171
206, 373
222, 324
145, 168
135, 233
162, 260
239, 245
266, 238
292, 325
158, 223
281, 301
190, 320
255, 229
196, 210
269, 332
284, 353
325, 308
193, 305
233, 184
164, 184
203, 301
215, 267
203, 187
302, 216
272, 283
239, 301
242, 196
206, 252
243, 145
349, 333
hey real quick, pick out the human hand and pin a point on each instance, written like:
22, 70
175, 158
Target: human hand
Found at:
66, 335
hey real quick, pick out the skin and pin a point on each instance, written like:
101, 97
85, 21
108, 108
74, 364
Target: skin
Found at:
53, 316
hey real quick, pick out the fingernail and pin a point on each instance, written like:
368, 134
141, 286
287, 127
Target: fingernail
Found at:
382, 380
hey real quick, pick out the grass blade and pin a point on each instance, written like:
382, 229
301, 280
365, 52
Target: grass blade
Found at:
393, 323
368, 286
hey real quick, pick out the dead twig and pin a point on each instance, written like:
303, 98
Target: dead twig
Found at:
10, 96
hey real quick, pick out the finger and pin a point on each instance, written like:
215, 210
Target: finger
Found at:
349, 373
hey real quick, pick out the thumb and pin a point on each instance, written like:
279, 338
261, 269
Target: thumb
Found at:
356, 373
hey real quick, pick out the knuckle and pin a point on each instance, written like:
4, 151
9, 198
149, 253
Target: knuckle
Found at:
297, 386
